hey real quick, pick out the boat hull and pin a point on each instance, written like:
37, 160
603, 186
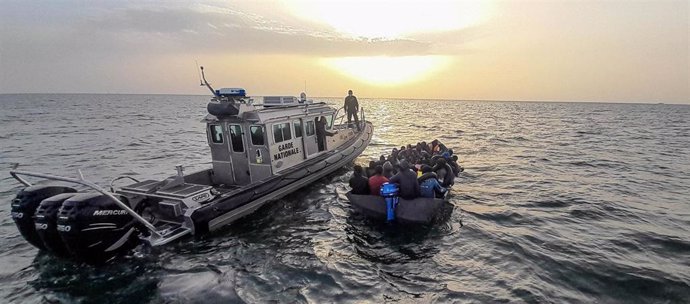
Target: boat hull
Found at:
232, 206
416, 211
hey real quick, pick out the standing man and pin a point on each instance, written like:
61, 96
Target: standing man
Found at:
352, 107
321, 132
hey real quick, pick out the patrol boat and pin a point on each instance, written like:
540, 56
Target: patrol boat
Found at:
260, 152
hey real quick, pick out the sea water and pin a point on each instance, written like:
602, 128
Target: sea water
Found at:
559, 202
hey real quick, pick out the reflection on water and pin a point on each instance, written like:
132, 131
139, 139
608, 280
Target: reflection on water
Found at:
558, 203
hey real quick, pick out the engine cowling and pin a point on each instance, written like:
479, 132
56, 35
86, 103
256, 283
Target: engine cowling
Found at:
24, 207
46, 223
94, 228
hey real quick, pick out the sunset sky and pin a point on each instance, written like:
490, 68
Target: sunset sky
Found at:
625, 51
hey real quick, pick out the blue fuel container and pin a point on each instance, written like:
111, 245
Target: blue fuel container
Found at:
390, 193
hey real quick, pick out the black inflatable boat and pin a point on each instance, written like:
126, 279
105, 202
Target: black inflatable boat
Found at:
417, 211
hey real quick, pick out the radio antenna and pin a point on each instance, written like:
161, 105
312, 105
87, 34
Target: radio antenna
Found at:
201, 83
206, 82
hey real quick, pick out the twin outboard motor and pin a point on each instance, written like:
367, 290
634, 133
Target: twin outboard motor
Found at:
89, 227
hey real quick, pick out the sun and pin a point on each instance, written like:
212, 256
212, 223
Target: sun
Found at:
390, 20
387, 71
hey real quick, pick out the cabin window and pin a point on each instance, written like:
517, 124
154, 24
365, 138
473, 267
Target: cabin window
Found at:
236, 138
310, 128
216, 134
329, 122
298, 128
257, 135
281, 132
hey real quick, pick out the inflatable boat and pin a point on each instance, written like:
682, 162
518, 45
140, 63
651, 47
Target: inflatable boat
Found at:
260, 152
416, 211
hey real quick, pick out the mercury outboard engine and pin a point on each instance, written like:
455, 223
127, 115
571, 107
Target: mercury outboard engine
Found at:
24, 206
95, 229
390, 193
46, 223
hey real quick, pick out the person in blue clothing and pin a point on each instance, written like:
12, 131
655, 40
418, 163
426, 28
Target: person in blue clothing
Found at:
428, 184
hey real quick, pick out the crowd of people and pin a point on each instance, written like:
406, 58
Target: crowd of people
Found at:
421, 170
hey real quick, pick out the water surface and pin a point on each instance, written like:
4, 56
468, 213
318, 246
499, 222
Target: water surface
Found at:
559, 202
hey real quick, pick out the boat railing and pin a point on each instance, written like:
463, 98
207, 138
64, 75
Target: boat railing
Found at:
81, 181
339, 115
342, 116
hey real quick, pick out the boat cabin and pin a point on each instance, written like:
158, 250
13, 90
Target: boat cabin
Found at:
262, 140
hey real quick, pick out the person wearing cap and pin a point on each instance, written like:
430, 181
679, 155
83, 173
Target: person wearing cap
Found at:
351, 108
428, 184
407, 180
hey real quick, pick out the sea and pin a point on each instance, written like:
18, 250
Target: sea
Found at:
558, 203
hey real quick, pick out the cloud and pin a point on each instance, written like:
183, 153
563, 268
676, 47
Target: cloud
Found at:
229, 30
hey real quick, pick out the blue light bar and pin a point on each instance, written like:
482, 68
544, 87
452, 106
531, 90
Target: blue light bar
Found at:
231, 92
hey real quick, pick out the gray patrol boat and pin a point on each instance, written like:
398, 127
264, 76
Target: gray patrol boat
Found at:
260, 152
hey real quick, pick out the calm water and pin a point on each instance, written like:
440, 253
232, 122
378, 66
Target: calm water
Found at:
559, 202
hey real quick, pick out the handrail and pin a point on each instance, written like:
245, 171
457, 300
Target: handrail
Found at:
342, 117
89, 184
361, 111
363, 120
112, 182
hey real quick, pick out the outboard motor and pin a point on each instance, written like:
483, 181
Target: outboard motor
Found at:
95, 229
390, 193
46, 223
24, 206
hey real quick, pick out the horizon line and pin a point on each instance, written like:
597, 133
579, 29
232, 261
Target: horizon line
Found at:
395, 98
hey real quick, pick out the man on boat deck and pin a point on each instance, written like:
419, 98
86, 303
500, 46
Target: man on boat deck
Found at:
407, 179
359, 183
321, 132
352, 107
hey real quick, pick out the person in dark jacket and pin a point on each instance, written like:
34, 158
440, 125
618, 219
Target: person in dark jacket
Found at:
321, 132
407, 179
428, 184
453, 162
445, 171
382, 160
371, 170
359, 183
388, 169
352, 107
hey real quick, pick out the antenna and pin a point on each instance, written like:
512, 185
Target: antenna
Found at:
201, 83
305, 86
203, 77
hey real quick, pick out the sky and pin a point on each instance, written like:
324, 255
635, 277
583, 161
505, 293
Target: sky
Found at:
548, 50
